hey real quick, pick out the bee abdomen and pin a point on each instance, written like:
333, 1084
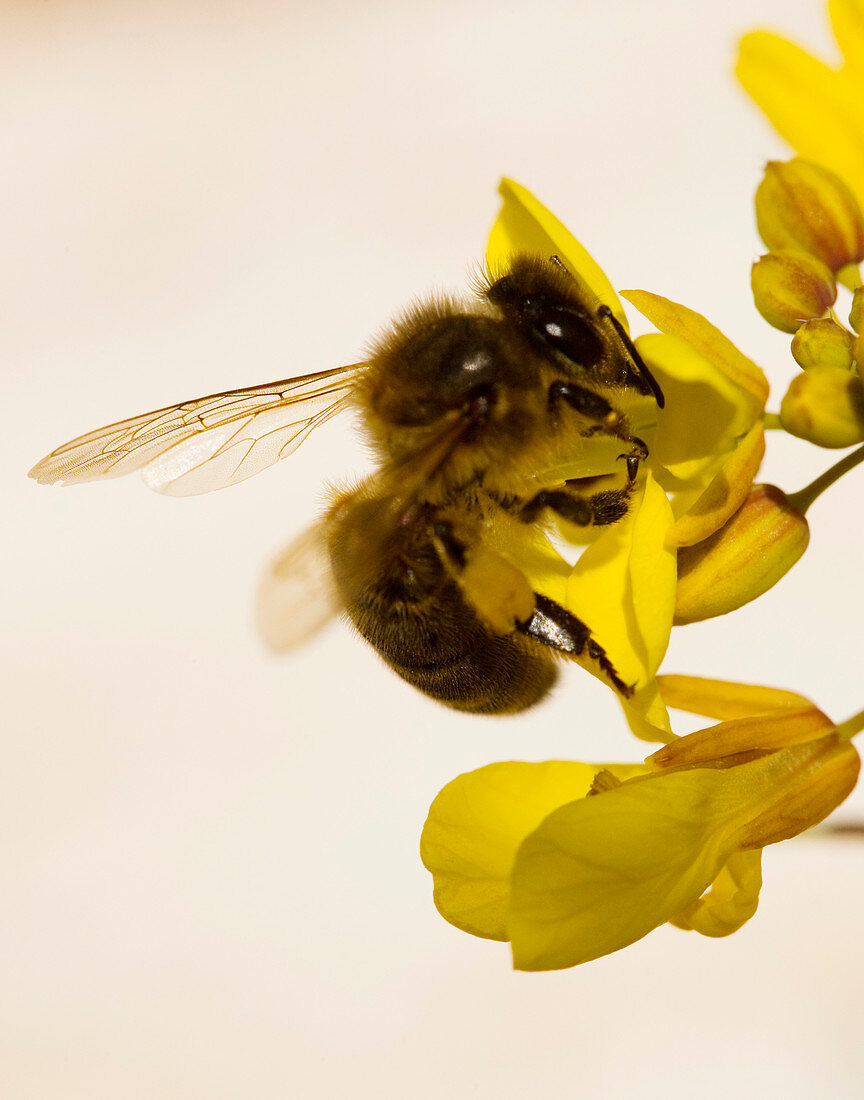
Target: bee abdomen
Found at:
433, 639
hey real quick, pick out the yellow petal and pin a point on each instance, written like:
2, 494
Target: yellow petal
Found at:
706, 414
703, 337
731, 901
476, 825
525, 225
646, 713
847, 19
623, 587
798, 788
724, 495
725, 699
529, 549
740, 735
600, 873
818, 111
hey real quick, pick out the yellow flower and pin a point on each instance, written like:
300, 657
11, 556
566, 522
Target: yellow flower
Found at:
572, 861
705, 447
818, 109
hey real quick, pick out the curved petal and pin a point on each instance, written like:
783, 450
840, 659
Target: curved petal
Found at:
601, 873
820, 112
725, 699
731, 901
706, 413
725, 493
847, 21
525, 225
475, 827
623, 587
677, 320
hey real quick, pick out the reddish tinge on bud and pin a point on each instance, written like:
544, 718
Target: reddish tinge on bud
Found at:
741, 561
822, 343
791, 287
802, 205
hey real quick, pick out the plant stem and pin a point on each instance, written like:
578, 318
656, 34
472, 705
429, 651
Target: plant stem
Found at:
851, 726
805, 497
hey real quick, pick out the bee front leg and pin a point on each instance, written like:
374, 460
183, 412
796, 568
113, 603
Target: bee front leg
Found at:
556, 627
608, 420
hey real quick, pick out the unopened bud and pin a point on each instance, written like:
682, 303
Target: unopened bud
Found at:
825, 405
856, 313
822, 343
802, 205
791, 287
747, 556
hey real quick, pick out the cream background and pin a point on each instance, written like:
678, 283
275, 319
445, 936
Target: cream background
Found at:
208, 857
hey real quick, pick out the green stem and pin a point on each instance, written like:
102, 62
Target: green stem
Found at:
771, 421
805, 497
851, 726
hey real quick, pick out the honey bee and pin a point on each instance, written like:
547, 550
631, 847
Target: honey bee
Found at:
464, 405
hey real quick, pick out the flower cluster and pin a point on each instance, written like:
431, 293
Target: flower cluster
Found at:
569, 861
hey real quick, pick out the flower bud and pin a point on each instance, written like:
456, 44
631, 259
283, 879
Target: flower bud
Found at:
856, 313
822, 343
741, 561
791, 287
825, 405
804, 206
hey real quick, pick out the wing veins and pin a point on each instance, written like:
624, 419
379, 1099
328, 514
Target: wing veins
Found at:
154, 434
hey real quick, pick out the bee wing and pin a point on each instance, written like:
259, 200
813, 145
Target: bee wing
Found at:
296, 594
205, 444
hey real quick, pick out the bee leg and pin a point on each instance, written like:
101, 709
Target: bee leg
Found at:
638, 454
608, 420
588, 404
598, 510
554, 626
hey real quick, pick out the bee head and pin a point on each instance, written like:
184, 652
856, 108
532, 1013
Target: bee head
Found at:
446, 363
540, 300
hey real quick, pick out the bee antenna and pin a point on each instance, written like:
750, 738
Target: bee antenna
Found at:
636, 359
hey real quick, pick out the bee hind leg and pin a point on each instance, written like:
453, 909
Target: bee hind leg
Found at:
503, 598
554, 626
498, 592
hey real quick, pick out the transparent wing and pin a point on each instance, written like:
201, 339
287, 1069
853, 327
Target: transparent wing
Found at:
296, 595
206, 444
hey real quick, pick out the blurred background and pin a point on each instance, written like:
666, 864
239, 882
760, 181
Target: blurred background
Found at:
210, 878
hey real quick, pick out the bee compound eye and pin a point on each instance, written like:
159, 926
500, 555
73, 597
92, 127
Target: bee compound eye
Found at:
566, 331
